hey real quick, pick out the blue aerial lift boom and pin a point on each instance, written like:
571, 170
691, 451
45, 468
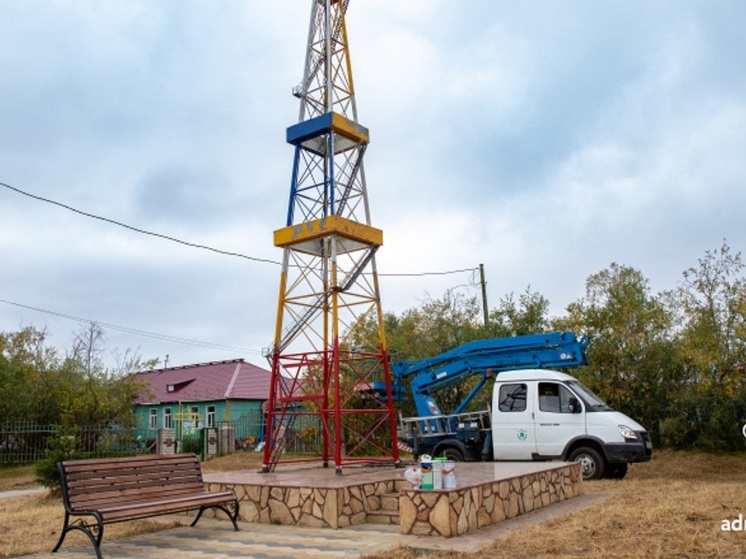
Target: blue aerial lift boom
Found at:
480, 359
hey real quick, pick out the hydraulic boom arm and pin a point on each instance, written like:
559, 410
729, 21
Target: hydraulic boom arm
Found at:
484, 359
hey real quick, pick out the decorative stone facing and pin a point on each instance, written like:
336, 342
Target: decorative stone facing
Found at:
454, 512
306, 506
487, 494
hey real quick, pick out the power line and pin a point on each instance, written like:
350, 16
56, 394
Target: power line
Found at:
135, 331
200, 246
420, 274
137, 229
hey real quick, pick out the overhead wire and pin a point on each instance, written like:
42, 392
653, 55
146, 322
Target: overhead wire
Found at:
138, 229
198, 245
135, 331
156, 335
420, 274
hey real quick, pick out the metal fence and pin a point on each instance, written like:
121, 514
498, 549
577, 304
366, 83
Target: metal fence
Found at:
26, 442
249, 433
247, 430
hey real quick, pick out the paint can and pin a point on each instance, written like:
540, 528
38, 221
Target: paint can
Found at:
438, 472
448, 472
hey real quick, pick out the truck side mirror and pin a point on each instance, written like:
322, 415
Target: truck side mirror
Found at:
575, 405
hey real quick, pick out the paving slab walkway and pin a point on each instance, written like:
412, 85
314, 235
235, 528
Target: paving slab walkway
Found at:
21, 492
216, 539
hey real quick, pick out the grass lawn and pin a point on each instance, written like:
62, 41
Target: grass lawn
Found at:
16, 477
672, 507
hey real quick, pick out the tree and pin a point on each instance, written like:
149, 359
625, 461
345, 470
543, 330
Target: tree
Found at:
24, 386
711, 300
437, 326
88, 348
709, 306
631, 356
88, 392
37, 385
528, 316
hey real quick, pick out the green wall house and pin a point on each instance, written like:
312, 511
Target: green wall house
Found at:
217, 394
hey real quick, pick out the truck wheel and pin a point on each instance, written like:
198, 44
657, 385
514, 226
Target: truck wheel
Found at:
453, 454
592, 464
616, 471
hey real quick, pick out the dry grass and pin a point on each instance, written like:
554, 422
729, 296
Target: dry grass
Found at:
672, 507
234, 462
32, 524
16, 477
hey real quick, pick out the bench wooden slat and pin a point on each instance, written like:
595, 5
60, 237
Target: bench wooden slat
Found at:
133, 496
92, 501
135, 471
89, 463
164, 476
132, 510
152, 460
133, 487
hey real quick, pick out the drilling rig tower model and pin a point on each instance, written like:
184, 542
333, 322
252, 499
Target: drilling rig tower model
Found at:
321, 406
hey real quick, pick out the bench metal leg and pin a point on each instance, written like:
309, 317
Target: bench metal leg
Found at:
95, 532
63, 534
225, 508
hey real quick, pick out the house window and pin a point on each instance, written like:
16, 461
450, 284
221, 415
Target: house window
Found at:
210, 416
153, 421
195, 417
167, 421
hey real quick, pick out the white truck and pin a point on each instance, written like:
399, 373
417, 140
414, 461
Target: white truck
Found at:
540, 414
535, 413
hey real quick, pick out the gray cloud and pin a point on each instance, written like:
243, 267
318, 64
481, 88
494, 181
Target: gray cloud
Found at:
545, 140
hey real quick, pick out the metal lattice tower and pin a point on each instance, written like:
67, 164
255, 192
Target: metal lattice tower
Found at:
321, 399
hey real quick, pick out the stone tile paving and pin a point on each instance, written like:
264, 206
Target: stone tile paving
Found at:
217, 540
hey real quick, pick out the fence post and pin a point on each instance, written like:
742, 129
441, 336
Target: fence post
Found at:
226, 440
209, 441
166, 443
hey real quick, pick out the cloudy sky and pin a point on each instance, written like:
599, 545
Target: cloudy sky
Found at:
543, 139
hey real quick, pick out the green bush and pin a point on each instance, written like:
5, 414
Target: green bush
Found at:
61, 447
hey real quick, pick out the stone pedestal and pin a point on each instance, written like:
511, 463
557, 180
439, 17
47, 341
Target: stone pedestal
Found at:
486, 493
453, 512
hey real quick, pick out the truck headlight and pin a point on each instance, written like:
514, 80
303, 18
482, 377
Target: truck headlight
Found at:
627, 433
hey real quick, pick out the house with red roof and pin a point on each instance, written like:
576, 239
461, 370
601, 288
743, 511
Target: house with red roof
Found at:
206, 395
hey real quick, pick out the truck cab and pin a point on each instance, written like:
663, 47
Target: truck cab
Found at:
540, 414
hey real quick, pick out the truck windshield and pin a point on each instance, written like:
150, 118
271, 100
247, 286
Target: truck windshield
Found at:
593, 402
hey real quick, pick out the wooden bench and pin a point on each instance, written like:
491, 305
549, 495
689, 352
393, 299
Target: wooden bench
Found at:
104, 491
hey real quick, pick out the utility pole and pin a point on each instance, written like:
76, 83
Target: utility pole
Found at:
485, 311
